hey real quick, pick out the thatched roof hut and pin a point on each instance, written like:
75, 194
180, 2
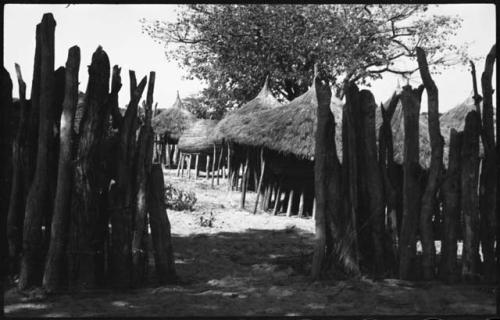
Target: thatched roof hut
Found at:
197, 138
288, 129
172, 121
228, 128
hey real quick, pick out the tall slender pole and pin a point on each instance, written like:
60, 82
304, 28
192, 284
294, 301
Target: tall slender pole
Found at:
218, 165
290, 203
262, 168
189, 166
196, 168
213, 165
244, 182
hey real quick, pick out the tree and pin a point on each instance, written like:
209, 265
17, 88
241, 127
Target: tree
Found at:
234, 47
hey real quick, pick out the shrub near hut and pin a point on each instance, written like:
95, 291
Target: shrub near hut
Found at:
178, 199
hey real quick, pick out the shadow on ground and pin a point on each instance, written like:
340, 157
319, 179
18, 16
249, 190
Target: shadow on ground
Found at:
257, 272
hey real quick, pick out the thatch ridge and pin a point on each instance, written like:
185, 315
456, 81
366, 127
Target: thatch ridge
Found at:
236, 118
172, 121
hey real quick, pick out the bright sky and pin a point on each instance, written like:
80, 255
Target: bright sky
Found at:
118, 30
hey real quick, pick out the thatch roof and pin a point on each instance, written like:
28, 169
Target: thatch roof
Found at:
287, 129
197, 138
173, 121
239, 117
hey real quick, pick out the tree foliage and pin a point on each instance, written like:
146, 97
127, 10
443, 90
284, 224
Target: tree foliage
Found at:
234, 47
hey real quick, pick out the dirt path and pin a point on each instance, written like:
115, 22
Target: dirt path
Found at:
249, 264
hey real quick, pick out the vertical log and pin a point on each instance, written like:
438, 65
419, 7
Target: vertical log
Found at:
290, 204
37, 200
333, 229
301, 204
160, 227
229, 168
277, 199
179, 168
265, 199
435, 170
122, 193
373, 187
411, 188
167, 158
259, 187
470, 201
314, 209
219, 164
207, 168
54, 268
189, 165
196, 168
244, 181
143, 169
451, 210
214, 158
15, 212
182, 161
487, 193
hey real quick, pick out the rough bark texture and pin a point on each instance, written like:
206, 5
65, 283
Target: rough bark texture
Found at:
334, 230
373, 186
37, 200
435, 170
451, 210
487, 191
411, 187
160, 227
470, 201
122, 193
16, 208
143, 169
62, 204
85, 242
350, 163
387, 164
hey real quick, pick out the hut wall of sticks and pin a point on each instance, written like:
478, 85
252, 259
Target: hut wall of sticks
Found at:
83, 198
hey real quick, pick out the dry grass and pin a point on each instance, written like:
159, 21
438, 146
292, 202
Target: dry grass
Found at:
198, 137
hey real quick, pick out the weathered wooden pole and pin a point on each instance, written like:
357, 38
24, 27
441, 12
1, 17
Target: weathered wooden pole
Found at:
53, 275
411, 188
373, 180
122, 193
143, 170
189, 165
229, 168
160, 227
214, 159
290, 204
196, 168
470, 201
15, 213
301, 204
451, 210
333, 229
435, 170
207, 167
37, 199
487, 194
277, 199
182, 161
314, 209
219, 164
261, 178
244, 181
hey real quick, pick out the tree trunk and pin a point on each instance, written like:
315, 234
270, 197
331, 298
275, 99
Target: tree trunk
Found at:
411, 187
470, 201
122, 197
334, 242
373, 181
160, 227
487, 193
435, 170
16, 208
37, 200
451, 210
143, 170
53, 269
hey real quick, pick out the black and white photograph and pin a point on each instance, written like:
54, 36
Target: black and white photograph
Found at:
250, 160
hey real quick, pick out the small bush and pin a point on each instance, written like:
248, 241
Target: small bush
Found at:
178, 199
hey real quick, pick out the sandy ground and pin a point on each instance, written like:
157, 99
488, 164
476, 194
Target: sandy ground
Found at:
252, 265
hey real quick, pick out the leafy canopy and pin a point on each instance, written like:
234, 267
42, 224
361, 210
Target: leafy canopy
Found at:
234, 47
